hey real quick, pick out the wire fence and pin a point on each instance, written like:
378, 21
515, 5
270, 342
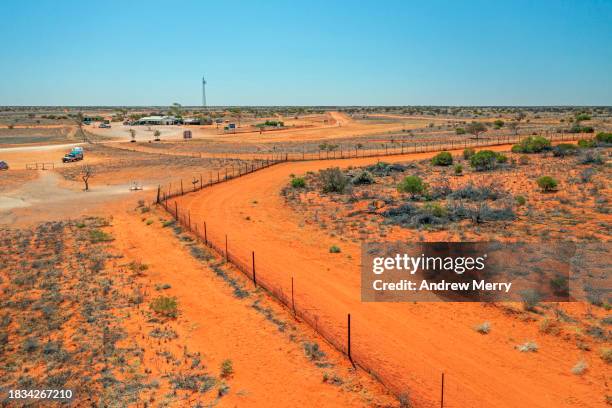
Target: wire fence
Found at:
332, 325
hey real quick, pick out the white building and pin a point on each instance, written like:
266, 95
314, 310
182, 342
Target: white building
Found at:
158, 120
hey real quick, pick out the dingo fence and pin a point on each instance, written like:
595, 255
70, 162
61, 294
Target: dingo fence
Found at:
331, 329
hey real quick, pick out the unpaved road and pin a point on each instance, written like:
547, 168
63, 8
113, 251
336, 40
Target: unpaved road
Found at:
407, 345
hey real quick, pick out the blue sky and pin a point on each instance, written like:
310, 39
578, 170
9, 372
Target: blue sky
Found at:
306, 53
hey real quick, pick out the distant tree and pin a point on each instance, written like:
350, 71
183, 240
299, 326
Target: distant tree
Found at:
476, 128
157, 134
499, 124
176, 110
86, 173
132, 135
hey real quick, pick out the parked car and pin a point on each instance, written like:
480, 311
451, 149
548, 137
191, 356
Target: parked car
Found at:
3, 165
104, 126
75, 154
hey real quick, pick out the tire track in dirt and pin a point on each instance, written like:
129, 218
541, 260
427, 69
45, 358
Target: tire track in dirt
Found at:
408, 345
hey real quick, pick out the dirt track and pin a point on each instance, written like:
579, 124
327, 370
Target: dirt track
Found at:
408, 345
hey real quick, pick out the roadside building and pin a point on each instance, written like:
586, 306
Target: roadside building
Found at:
159, 120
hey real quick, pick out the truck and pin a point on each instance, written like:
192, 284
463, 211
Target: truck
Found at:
75, 154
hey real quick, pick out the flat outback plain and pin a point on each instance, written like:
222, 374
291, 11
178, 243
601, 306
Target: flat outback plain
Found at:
216, 260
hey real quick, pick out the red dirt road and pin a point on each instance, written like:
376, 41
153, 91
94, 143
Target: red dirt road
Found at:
407, 346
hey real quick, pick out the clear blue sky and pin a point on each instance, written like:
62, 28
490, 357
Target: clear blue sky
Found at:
306, 53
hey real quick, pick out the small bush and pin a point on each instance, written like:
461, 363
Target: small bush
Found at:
531, 298
586, 143
580, 367
532, 144
590, 158
460, 131
483, 160
412, 185
436, 210
604, 137
502, 158
483, 328
313, 352
165, 306
333, 180
97, 235
564, 149
606, 355
227, 368
467, 153
549, 326
520, 200
528, 347
442, 159
334, 249
523, 160
458, 169
547, 183
364, 177
582, 116
298, 182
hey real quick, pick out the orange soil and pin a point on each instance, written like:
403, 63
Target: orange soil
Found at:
270, 369
408, 345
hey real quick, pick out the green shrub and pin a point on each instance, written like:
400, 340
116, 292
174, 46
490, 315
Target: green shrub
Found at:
606, 355
524, 160
436, 210
460, 131
564, 149
412, 185
501, 158
532, 144
442, 159
298, 182
334, 249
165, 306
586, 143
520, 200
547, 183
467, 153
577, 128
97, 235
227, 368
498, 124
483, 160
333, 180
604, 137
458, 169
364, 177
582, 116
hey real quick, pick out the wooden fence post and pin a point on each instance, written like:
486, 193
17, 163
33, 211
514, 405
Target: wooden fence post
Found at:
349, 339
292, 298
182, 192
442, 393
176, 210
254, 276
158, 192
205, 236
226, 248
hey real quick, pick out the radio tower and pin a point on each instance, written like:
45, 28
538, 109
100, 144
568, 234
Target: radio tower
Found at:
203, 92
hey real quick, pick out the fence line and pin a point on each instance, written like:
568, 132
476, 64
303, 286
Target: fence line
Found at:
339, 338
